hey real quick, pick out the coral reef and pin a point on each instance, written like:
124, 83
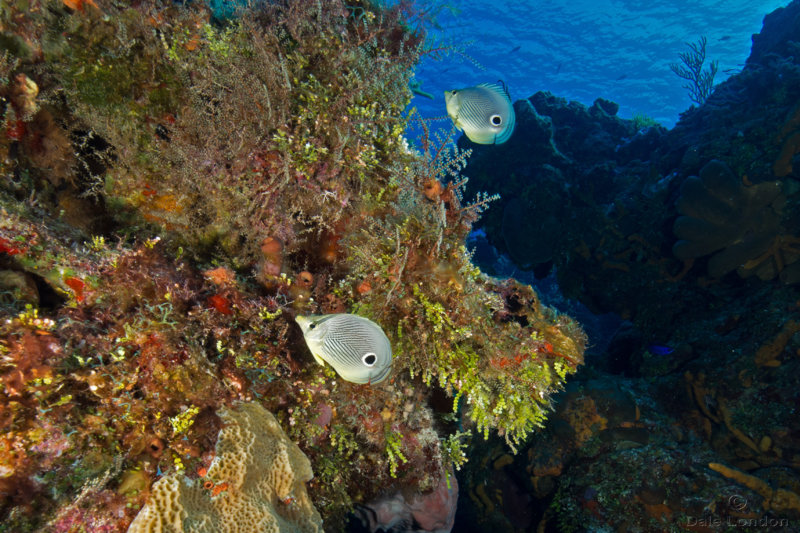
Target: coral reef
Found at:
176, 188
686, 242
256, 482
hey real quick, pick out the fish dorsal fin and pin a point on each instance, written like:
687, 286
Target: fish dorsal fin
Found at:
499, 87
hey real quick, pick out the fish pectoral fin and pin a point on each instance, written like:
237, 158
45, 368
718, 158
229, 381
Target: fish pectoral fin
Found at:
318, 359
454, 118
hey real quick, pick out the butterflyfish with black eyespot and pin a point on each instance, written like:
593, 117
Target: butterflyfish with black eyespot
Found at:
485, 112
356, 347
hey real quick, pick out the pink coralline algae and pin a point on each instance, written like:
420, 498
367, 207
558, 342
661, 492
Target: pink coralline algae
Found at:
433, 512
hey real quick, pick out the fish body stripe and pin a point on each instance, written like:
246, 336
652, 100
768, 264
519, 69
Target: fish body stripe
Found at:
348, 343
476, 112
342, 341
472, 110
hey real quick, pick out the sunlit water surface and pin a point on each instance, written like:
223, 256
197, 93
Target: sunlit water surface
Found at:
584, 49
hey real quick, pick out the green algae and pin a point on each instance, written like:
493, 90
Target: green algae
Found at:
286, 125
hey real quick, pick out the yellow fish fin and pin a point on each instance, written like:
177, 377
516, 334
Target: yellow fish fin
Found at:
318, 359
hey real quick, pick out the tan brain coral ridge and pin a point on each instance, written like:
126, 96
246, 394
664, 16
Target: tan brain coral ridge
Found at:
265, 475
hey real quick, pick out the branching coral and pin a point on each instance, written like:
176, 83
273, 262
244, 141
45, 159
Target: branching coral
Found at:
769, 352
701, 82
740, 225
775, 499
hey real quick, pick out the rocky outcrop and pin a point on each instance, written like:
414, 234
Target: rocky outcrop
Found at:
691, 239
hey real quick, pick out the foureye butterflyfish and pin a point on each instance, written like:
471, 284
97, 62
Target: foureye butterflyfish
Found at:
356, 347
484, 112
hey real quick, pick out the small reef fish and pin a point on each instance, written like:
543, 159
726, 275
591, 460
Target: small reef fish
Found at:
660, 349
484, 112
356, 347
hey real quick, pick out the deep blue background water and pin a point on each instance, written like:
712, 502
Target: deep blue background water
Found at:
585, 49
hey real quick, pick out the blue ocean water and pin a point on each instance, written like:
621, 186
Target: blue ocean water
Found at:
584, 49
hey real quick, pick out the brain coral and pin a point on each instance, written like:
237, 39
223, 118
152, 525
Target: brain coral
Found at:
720, 214
263, 473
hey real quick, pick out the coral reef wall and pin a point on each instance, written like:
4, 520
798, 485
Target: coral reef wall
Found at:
691, 239
174, 190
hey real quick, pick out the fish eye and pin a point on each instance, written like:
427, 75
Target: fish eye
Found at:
453, 92
496, 120
312, 325
369, 359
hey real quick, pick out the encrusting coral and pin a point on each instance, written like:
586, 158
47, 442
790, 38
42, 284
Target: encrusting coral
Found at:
256, 483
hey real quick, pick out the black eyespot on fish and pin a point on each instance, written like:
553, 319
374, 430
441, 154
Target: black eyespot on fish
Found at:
496, 120
369, 359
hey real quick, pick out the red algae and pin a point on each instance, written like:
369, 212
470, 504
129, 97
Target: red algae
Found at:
172, 249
